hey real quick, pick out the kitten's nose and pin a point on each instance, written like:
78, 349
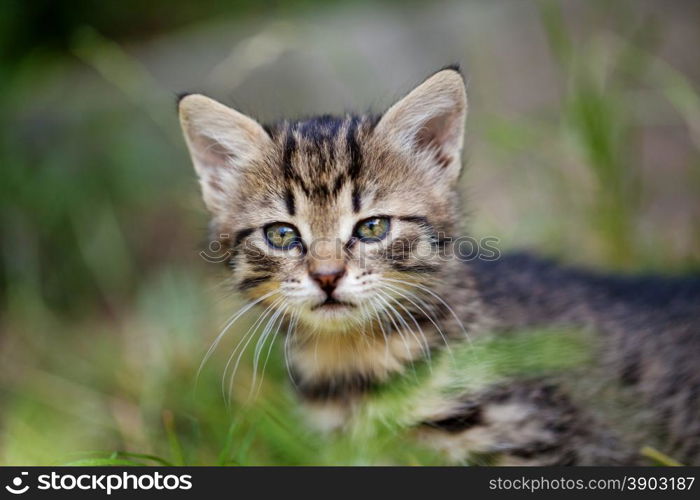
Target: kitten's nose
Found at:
328, 280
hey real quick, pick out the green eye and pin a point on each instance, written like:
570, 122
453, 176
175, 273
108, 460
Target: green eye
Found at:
372, 229
282, 236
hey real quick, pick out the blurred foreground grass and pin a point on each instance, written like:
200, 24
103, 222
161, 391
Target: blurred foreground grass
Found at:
107, 309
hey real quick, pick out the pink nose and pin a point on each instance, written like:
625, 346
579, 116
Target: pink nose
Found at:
328, 280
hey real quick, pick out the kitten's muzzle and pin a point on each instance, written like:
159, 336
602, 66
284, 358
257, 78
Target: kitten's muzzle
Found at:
328, 281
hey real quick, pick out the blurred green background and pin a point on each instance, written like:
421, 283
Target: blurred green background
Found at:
583, 143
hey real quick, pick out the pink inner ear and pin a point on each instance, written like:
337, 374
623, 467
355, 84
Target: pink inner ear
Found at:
211, 152
434, 135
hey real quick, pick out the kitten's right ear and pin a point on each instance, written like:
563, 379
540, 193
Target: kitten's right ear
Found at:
222, 143
430, 120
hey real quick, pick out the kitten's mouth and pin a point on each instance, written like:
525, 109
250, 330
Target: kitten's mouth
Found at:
331, 303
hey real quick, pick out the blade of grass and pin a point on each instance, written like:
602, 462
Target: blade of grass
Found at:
173, 440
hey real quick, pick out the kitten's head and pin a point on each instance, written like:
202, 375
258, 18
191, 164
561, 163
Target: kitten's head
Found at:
328, 216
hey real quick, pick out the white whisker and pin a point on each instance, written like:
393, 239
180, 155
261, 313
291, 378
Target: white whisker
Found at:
442, 301
291, 329
271, 325
249, 335
397, 330
244, 309
424, 344
381, 327
433, 320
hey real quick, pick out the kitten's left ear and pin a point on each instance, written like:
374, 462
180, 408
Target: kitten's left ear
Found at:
430, 120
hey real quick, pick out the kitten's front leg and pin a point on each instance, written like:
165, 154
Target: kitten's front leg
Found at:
523, 423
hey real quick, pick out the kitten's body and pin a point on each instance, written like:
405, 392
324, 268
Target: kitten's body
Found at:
648, 342
399, 300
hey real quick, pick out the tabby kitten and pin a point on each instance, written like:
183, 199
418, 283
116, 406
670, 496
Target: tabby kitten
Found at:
345, 228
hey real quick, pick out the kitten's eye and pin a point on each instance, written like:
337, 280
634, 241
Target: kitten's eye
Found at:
281, 235
372, 229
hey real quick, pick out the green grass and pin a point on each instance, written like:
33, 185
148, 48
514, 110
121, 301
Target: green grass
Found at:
107, 309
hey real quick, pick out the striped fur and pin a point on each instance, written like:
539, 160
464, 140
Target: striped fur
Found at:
400, 300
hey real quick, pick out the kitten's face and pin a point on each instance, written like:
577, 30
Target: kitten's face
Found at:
326, 217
